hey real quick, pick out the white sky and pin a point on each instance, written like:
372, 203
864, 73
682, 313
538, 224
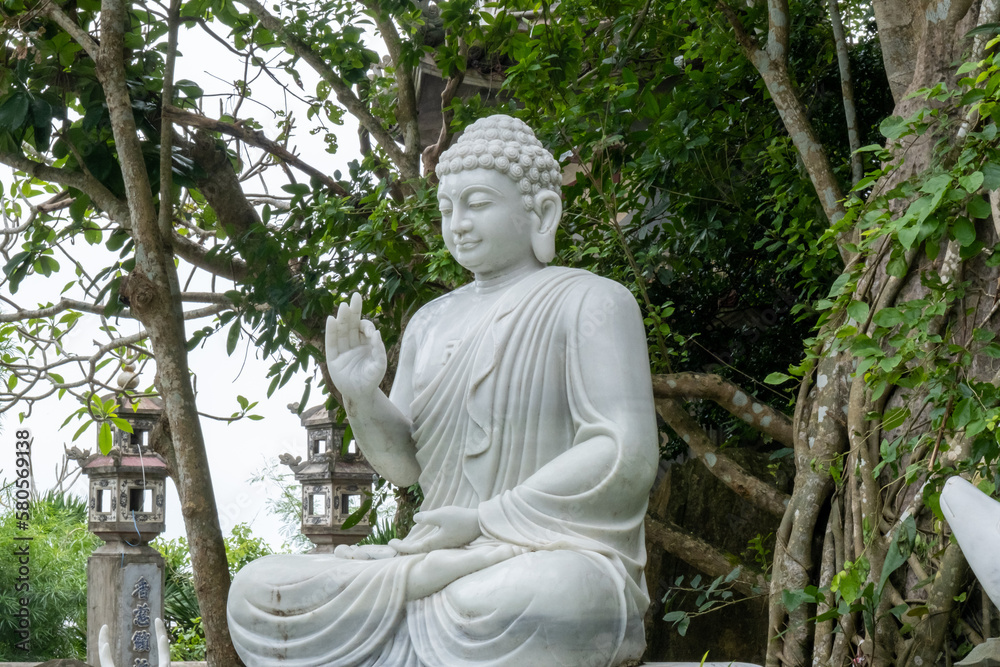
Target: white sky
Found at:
238, 450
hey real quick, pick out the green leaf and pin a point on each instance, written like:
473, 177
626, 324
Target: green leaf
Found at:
14, 111
978, 208
777, 378
964, 231
908, 236
897, 266
80, 430
967, 67
858, 310
991, 175
795, 599
104, 440
899, 550
839, 284
963, 413
888, 317
984, 29
121, 424
233, 337
358, 514
895, 418
849, 581
971, 182
893, 127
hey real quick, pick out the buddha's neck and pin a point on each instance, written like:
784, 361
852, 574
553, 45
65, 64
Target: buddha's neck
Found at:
487, 285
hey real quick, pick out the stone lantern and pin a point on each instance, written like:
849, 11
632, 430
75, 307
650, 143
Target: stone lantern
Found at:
334, 479
126, 509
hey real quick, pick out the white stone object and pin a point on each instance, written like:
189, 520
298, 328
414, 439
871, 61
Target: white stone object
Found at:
162, 646
522, 404
974, 518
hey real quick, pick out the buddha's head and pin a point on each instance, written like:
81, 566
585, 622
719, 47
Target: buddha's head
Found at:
499, 197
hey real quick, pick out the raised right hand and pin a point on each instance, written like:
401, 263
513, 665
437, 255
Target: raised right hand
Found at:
355, 354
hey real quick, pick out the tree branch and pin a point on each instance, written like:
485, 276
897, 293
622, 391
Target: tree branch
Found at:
737, 402
771, 63
253, 138
728, 471
433, 152
116, 209
79, 35
63, 305
406, 89
846, 90
747, 41
701, 555
191, 252
340, 88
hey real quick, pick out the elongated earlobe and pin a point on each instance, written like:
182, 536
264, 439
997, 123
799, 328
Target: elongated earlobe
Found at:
548, 205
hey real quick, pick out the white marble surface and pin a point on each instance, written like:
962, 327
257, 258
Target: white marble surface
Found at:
522, 404
974, 518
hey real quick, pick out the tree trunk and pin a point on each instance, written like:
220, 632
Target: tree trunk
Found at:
839, 423
155, 298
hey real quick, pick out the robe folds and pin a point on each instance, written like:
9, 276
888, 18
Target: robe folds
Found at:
540, 416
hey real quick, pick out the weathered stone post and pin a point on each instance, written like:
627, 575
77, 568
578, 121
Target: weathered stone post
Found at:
126, 510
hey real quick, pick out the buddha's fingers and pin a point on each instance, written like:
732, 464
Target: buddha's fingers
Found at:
104, 648
162, 643
373, 337
332, 334
343, 324
354, 323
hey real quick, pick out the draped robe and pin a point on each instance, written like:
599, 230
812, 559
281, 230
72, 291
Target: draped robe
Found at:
540, 416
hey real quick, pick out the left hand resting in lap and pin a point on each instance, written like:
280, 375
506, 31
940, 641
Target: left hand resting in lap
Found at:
451, 527
440, 568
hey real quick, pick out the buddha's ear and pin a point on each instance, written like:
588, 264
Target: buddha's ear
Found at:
548, 207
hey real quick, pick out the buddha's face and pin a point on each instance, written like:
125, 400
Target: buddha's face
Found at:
484, 224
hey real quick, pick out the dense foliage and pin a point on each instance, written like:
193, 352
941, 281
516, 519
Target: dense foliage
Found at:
59, 549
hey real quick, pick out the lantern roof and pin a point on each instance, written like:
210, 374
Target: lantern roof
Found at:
150, 405
149, 462
318, 416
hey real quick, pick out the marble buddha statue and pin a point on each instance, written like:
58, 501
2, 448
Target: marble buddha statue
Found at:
522, 404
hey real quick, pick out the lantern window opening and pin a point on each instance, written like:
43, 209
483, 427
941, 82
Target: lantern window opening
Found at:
137, 438
103, 501
352, 447
317, 504
140, 500
319, 446
350, 503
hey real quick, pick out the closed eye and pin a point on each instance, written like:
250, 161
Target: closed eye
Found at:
479, 204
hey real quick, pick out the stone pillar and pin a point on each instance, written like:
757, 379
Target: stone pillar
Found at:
125, 592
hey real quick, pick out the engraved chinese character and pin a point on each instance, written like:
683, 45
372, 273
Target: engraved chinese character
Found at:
140, 662
141, 589
140, 641
140, 615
